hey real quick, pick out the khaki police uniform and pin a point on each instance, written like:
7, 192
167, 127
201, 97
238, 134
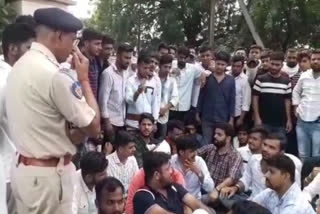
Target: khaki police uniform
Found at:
41, 100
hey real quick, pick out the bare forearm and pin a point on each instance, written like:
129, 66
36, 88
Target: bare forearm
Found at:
255, 106
288, 109
226, 183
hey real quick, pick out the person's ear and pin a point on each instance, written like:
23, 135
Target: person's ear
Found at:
13, 50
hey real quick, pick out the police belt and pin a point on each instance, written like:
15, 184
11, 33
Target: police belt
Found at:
51, 162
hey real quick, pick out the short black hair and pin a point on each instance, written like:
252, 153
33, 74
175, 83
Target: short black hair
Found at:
227, 128
238, 58
277, 136
302, 55
186, 142
292, 50
256, 47
166, 59
163, 45
26, 19
123, 138
277, 55
223, 56
152, 162
259, 129
183, 51
15, 34
315, 51
174, 124
144, 116
173, 48
243, 128
248, 207
106, 39
284, 164
265, 54
144, 57
92, 163
107, 185
155, 55
124, 48
205, 48
90, 34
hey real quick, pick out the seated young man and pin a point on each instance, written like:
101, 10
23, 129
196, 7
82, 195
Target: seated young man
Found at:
161, 195
110, 196
192, 166
283, 195
93, 167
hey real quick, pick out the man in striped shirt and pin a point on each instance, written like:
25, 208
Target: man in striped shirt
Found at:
272, 97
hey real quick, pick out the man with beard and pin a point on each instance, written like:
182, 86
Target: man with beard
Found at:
291, 66
216, 102
272, 98
92, 47
283, 195
110, 196
185, 75
112, 91
93, 167
141, 93
224, 162
107, 49
253, 176
306, 101
160, 194
144, 140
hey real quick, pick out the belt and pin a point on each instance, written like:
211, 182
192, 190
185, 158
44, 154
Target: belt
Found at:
135, 117
51, 162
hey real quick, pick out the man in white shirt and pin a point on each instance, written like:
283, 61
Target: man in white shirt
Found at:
169, 94
141, 94
122, 164
306, 101
16, 40
291, 66
192, 167
256, 137
283, 195
243, 90
93, 167
185, 75
112, 91
253, 177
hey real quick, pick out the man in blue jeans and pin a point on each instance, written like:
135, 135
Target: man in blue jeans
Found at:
216, 102
306, 101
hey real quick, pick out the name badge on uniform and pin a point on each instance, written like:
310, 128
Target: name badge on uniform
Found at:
76, 90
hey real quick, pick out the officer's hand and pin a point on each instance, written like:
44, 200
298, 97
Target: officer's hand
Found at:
81, 64
228, 192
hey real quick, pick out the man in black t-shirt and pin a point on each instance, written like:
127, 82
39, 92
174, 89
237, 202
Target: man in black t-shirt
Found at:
160, 195
272, 97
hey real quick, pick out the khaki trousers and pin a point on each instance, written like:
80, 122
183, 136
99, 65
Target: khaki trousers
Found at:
43, 190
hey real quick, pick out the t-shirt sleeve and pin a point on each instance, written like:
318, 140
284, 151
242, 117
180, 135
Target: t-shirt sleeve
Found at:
257, 87
142, 201
181, 190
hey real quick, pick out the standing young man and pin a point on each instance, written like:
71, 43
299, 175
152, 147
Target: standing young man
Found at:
216, 102
106, 52
169, 94
272, 98
141, 94
306, 101
112, 92
92, 48
243, 90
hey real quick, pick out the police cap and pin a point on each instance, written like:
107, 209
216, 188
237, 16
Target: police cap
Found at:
57, 19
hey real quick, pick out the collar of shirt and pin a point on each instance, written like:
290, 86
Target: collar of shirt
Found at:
84, 185
291, 193
115, 158
45, 51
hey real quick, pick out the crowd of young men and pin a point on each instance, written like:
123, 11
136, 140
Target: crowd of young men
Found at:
171, 130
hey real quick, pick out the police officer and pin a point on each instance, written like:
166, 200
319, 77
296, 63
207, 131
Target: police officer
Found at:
41, 101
